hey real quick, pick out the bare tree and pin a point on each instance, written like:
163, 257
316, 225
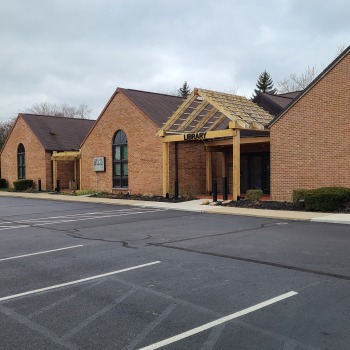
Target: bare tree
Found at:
5, 128
62, 110
295, 82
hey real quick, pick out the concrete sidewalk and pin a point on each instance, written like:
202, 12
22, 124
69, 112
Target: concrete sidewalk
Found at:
194, 206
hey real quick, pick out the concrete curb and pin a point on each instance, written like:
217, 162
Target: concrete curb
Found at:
193, 206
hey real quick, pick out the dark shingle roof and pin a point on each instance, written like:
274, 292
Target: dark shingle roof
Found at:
58, 133
275, 103
158, 107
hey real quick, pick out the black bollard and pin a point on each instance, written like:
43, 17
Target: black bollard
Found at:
58, 188
39, 185
215, 190
176, 194
224, 188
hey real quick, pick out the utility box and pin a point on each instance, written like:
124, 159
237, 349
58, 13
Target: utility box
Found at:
72, 184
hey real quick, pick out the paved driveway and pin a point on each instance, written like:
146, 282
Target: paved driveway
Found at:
92, 276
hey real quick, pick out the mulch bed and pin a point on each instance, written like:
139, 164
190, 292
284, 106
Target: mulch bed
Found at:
272, 205
144, 198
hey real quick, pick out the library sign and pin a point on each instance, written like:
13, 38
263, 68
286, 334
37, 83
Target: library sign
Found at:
197, 136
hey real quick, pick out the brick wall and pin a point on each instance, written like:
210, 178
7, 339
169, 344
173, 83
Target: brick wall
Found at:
144, 148
310, 144
34, 155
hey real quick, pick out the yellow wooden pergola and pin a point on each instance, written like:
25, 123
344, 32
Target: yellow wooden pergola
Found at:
74, 156
215, 118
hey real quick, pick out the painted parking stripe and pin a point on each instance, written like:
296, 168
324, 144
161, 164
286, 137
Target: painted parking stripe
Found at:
218, 322
69, 218
14, 296
12, 227
74, 215
95, 217
42, 252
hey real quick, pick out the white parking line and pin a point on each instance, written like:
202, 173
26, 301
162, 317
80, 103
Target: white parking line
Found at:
218, 322
12, 227
76, 217
42, 252
14, 296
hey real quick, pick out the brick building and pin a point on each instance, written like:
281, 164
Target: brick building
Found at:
310, 145
127, 128
128, 150
31, 144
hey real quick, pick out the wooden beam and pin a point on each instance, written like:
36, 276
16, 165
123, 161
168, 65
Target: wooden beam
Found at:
80, 174
208, 171
236, 166
165, 168
217, 122
191, 117
244, 140
54, 177
208, 135
257, 126
205, 119
180, 111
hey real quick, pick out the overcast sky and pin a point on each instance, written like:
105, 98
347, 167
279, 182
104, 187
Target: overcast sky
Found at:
79, 52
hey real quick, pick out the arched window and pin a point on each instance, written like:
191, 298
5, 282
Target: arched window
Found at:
21, 161
120, 160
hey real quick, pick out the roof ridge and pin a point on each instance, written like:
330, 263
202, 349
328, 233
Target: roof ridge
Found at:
53, 116
151, 92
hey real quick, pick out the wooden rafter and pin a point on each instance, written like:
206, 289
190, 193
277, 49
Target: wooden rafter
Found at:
217, 122
195, 113
207, 110
204, 120
171, 121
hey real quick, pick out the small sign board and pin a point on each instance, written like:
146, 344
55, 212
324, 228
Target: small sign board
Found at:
99, 164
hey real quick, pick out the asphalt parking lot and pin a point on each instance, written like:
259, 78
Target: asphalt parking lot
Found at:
94, 276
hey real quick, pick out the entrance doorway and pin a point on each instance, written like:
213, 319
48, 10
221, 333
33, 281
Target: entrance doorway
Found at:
255, 172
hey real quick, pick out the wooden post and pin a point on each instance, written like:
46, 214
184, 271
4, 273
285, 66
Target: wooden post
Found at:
80, 173
208, 171
54, 168
165, 168
236, 165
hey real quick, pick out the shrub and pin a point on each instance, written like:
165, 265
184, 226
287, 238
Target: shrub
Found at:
298, 195
254, 195
3, 183
22, 185
327, 198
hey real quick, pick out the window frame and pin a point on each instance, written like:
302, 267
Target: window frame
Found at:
120, 141
21, 162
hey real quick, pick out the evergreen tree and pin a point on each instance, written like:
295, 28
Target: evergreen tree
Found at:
185, 90
264, 84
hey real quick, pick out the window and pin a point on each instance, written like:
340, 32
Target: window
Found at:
120, 160
21, 161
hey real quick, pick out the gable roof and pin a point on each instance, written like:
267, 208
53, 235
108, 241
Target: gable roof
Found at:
206, 110
311, 85
158, 107
58, 133
275, 103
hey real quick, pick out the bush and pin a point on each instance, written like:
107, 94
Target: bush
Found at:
298, 195
3, 183
254, 195
327, 198
22, 185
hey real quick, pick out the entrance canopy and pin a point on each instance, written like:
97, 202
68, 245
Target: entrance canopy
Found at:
207, 116
74, 156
